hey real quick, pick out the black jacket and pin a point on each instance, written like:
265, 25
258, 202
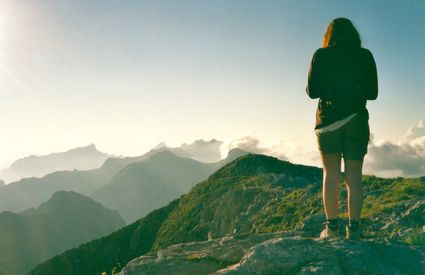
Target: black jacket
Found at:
344, 79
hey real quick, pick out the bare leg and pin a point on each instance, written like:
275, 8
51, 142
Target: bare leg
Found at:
353, 177
331, 181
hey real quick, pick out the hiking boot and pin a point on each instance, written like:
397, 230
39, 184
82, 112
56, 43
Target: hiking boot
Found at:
353, 234
329, 233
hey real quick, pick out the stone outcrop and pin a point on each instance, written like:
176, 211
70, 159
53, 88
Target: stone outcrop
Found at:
286, 252
299, 255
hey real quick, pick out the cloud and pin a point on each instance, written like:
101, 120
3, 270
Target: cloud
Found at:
205, 151
296, 152
404, 158
254, 145
201, 150
415, 132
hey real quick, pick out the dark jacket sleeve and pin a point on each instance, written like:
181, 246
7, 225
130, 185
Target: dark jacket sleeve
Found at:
371, 88
313, 87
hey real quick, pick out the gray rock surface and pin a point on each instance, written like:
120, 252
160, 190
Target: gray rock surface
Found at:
286, 252
197, 257
399, 221
299, 255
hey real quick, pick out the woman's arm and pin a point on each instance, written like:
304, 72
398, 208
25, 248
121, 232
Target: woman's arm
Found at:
371, 88
312, 89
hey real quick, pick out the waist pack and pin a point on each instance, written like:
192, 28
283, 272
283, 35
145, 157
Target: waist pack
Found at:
341, 107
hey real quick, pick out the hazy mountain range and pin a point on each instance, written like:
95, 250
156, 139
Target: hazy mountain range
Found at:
248, 215
143, 186
88, 158
30, 192
82, 158
66, 220
201, 150
205, 216
133, 186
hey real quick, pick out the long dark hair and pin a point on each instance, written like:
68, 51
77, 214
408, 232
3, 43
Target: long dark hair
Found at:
341, 32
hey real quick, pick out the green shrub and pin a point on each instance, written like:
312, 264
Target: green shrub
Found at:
416, 237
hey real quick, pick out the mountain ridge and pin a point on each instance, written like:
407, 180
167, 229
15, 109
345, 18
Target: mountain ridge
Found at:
80, 158
139, 187
66, 220
30, 192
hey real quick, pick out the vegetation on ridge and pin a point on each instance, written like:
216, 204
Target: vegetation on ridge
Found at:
251, 195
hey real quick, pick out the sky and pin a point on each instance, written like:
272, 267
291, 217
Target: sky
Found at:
127, 75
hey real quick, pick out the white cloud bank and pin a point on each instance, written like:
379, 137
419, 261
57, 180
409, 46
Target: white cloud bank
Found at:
404, 158
290, 151
254, 145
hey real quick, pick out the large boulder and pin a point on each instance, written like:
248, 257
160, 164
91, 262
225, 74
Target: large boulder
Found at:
287, 252
300, 255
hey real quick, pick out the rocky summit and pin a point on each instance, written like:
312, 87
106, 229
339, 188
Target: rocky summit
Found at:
286, 252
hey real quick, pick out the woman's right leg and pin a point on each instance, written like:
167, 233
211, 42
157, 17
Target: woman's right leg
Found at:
356, 134
331, 181
353, 178
354, 182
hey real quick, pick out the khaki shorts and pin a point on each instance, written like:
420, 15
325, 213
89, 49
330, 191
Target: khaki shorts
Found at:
350, 140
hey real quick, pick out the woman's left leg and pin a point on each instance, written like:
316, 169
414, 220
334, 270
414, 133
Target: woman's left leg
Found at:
330, 147
331, 181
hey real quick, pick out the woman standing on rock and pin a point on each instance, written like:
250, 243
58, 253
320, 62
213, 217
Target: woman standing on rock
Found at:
343, 76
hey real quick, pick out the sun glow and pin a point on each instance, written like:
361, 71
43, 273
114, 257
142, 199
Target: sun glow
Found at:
7, 80
7, 21
2, 53
3, 35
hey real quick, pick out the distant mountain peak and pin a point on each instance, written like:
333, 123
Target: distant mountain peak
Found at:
66, 194
80, 158
205, 151
69, 199
236, 152
202, 142
164, 154
91, 148
65, 221
200, 150
61, 196
160, 145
